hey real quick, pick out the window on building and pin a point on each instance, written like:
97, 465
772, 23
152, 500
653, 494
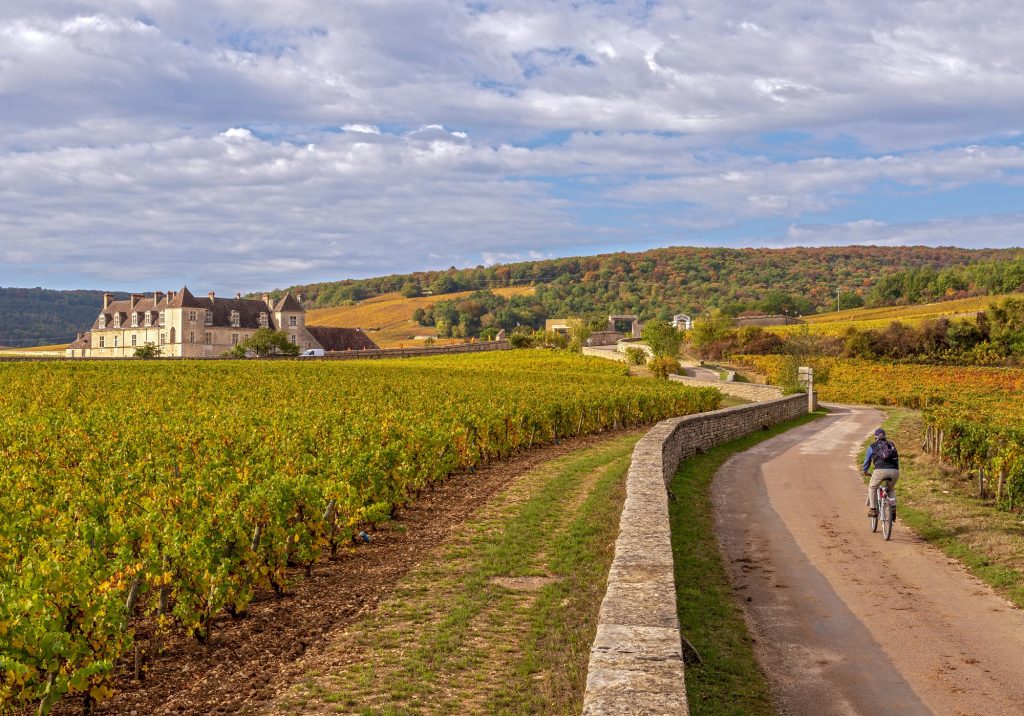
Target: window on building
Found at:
103, 320
293, 339
192, 316
208, 338
236, 319
263, 320
163, 338
149, 319
135, 319
117, 320
163, 315
116, 341
103, 342
208, 320
135, 340
191, 336
293, 321
234, 339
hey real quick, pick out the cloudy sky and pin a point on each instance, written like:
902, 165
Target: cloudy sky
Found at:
247, 144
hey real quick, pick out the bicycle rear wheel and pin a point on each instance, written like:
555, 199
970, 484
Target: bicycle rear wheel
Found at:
885, 514
874, 520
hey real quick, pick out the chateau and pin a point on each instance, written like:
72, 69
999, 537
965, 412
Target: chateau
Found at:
184, 326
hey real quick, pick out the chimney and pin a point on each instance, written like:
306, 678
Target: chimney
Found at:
158, 296
266, 300
212, 295
170, 296
78, 336
107, 298
238, 294
298, 297
136, 297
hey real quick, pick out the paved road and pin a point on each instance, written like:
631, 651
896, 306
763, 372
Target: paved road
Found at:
702, 373
845, 622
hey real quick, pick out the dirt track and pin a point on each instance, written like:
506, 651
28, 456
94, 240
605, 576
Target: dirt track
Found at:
845, 622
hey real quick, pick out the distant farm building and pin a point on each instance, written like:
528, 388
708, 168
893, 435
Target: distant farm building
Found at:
558, 325
681, 321
185, 326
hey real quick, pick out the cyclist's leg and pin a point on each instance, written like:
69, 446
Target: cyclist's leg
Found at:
876, 480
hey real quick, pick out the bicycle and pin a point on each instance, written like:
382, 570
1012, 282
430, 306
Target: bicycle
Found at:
886, 512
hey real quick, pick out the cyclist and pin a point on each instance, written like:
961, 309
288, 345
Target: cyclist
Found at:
882, 454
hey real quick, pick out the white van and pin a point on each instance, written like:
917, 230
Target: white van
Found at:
312, 353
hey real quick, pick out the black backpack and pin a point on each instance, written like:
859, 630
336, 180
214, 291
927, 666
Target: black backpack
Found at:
885, 451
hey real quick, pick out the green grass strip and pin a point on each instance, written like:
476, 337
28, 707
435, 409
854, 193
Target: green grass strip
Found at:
451, 640
729, 681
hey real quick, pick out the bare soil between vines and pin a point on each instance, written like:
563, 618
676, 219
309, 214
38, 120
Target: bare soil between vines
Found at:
249, 660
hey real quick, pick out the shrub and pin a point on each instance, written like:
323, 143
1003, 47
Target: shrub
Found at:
520, 340
635, 355
663, 366
150, 350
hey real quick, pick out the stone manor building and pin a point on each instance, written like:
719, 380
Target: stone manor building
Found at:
185, 326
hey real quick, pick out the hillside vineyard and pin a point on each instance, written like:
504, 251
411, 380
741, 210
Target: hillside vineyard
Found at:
173, 491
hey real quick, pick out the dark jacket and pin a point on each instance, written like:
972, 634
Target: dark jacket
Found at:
880, 464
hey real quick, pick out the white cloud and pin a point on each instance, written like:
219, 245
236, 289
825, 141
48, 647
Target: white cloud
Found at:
302, 140
1000, 231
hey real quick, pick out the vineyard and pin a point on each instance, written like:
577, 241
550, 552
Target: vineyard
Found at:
839, 322
973, 415
171, 492
387, 318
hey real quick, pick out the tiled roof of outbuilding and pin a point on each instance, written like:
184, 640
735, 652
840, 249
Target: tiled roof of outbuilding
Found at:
82, 342
341, 339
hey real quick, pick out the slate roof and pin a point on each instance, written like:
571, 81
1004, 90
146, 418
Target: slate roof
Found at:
288, 303
331, 338
185, 299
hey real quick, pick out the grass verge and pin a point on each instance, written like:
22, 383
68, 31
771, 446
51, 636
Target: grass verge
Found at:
729, 681
941, 505
501, 618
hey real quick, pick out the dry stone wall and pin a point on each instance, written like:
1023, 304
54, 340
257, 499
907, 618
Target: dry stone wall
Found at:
636, 661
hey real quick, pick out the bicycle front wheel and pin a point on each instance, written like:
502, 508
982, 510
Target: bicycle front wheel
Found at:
885, 514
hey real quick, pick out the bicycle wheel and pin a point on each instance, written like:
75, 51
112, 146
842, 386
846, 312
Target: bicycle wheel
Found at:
874, 520
885, 513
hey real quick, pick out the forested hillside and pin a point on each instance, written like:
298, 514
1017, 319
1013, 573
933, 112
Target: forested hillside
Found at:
40, 316
661, 282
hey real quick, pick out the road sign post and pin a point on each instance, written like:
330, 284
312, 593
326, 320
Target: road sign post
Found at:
805, 374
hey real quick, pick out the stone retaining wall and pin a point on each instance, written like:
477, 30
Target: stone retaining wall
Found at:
606, 353
756, 392
636, 662
482, 347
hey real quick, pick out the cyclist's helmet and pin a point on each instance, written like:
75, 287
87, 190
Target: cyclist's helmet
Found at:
879, 434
